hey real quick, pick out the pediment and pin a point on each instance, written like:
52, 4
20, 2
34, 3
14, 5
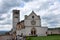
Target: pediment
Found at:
33, 14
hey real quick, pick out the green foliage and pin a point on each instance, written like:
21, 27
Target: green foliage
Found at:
53, 34
45, 38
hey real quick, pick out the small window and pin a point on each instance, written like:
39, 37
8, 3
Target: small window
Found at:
16, 12
16, 17
32, 16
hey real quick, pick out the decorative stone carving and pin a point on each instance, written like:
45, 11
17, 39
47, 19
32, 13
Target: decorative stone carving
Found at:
33, 22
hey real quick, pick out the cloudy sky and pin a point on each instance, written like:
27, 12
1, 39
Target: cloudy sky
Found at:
49, 11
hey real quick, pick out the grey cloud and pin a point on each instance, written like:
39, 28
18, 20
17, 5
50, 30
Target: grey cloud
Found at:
7, 22
27, 0
2, 19
45, 5
8, 4
52, 20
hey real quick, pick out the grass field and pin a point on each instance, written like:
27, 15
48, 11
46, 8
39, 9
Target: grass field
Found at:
55, 37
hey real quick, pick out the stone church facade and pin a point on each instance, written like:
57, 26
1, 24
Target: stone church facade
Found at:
31, 26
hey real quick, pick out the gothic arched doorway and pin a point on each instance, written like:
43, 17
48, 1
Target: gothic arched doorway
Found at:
33, 31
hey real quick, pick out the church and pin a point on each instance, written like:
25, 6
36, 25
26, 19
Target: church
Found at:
30, 26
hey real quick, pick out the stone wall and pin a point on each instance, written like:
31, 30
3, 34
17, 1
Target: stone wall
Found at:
5, 37
54, 31
40, 31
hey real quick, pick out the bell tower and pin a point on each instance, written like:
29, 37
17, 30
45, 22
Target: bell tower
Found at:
16, 18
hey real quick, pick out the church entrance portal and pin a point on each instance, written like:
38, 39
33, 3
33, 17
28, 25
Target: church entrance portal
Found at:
33, 31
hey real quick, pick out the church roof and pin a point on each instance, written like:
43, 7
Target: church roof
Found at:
33, 13
18, 23
22, 21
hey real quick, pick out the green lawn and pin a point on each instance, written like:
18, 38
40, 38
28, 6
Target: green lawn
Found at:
56, 37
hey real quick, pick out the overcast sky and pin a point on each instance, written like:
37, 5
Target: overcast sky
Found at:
49, 11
